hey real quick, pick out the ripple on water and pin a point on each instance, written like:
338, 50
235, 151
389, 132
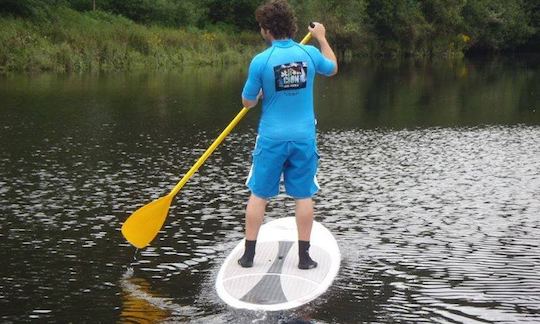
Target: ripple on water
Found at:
444, 220
434, 224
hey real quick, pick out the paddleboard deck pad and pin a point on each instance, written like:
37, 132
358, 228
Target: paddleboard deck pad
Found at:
275, 282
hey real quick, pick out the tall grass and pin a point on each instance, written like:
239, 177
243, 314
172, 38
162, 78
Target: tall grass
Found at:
70, 41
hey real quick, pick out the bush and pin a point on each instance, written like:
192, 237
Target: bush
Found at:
497, 24
70, 41
216, 31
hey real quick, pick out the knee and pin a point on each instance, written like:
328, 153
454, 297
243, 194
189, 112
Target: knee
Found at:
304, 202
257, 201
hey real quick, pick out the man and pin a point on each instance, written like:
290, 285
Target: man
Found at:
283, 76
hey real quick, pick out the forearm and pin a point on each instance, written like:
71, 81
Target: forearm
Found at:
327, 51
318, 32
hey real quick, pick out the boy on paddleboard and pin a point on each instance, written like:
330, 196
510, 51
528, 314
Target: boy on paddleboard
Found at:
282, 77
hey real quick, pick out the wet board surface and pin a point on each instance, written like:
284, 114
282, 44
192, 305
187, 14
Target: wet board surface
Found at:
275, 282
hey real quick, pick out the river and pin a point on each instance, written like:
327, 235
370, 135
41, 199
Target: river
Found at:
430, 176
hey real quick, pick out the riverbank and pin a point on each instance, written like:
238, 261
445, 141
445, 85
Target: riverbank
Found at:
44, 38
72, 41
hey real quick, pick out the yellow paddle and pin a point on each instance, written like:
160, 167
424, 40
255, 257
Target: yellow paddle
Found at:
144, 224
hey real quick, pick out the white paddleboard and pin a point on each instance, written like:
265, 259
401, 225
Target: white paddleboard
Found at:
275, 282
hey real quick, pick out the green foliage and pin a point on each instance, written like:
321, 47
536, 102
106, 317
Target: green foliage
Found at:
237, 13
444, 35
35, 9
497, 24
162, 12
99, 41
69, 35
448, 27
398, 25
533, 8
345, 24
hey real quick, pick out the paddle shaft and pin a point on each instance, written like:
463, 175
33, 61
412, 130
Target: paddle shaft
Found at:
216, 142
209, 151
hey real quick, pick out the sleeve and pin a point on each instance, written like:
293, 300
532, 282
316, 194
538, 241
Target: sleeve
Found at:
323, 65
254, 81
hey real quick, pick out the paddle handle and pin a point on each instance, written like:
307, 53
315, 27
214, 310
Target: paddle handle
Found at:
306, 39
218, 140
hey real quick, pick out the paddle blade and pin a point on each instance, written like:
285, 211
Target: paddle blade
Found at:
143, 225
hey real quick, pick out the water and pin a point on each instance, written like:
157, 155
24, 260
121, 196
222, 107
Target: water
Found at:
430, 176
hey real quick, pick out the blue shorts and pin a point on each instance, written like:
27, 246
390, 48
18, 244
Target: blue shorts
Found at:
295, 161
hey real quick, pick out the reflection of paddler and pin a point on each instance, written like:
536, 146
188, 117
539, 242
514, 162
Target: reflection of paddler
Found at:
142, 305
137, 307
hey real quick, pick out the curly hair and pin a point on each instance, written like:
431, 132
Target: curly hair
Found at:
277, 17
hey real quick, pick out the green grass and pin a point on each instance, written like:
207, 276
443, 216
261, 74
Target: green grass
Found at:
70, 41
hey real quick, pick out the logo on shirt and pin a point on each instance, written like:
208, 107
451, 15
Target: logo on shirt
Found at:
290, 76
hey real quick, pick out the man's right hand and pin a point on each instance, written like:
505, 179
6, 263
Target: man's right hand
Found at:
317, 31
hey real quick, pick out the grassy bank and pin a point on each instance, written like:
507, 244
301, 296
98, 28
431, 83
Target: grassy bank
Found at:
50, 35
70, 41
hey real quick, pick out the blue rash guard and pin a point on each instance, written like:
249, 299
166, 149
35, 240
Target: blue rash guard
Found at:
286, 73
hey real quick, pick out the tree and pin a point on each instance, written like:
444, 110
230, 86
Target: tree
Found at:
532, 7
25, 8
497, 24
399, 26
345, 21
237, 13
446, 26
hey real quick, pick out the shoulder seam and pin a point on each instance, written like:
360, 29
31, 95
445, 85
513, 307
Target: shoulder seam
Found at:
303, 49
268, 58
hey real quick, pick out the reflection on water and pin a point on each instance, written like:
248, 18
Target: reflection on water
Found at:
141, 304
430, 182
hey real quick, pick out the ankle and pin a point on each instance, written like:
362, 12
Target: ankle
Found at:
249, 248
303, 249
246, 260
305, 261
